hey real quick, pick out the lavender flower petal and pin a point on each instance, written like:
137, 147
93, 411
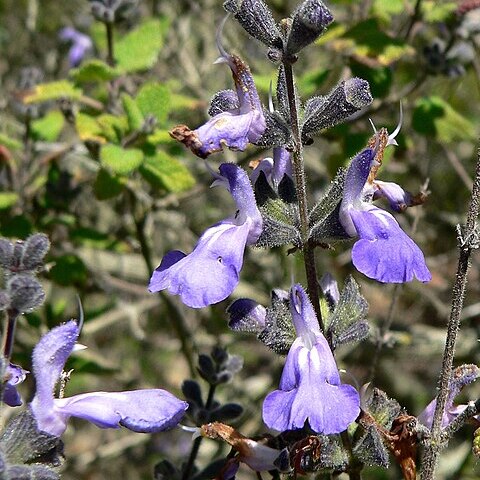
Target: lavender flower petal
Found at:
14, 375
144, 411
397, 197
384, 251
246, 315
310, 387
210, 273
235, 128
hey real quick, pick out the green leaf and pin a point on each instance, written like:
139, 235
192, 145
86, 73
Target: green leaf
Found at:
9, 142
53, 91
154, 99
18, 226
434, 11
134, 114
113, 127
370, 45
434, 116
120, 160
69, 270
166, 172
161, 137
8, 199
107, 186
310, 82
93, 71
88, 128
386, 9
139, 49
49, 127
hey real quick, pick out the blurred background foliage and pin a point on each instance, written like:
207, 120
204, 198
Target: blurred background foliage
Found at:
86, 158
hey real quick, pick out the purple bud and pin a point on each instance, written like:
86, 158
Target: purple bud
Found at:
310, 20
255, 17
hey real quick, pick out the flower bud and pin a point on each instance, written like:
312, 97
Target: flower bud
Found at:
26, 293
344, 100
310, 20
255, 17
34, 250
6, 252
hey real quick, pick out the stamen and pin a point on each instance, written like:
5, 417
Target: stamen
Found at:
197, 432
81, 316
218, 37
271, 108
391, 138
373, 126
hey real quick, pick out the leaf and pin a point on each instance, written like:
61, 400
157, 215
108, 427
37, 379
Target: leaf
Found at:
120, 160
434, 116
107, 186
53, 91
139, 49
134, 114
368, 44
10, 143
49, 127
310, 82
69, 270
161, 137
113, 127
154, 99
94, 70
379, 78
88, 128
386, 9
8, 199
434, 11
166, 172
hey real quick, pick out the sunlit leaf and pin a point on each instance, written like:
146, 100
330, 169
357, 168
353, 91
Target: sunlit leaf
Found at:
88, 128
139, 49
53, 91
49, 127
8, 199
166, 172
434, 116
94, 70
154, 99
120, 160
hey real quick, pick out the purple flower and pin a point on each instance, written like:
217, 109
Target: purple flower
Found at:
461, 377
211, 272
384, 251
149, 410
14, 375
81, 45
238, 116
310, 387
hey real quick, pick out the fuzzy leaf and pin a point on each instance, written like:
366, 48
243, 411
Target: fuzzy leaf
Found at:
134, 114
139, 49
154, 99
49, 127
120, 160
434, 11
93, 70
166, 172
53, 91
113, 127
9, 142
88, 128
8, 199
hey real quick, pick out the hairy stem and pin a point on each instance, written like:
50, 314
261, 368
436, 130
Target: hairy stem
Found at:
9, 333
467, 240
196, 444
299, 172
109, 31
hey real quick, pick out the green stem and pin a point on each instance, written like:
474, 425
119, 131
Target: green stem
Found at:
109, 31
300, 182
467, 243
9, 333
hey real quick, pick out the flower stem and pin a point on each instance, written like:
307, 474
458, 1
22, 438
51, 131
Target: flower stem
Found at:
299, 172
468, 241
198, 440
9, 333
110, 57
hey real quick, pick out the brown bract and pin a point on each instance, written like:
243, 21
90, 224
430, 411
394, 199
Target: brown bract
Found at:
189, 138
